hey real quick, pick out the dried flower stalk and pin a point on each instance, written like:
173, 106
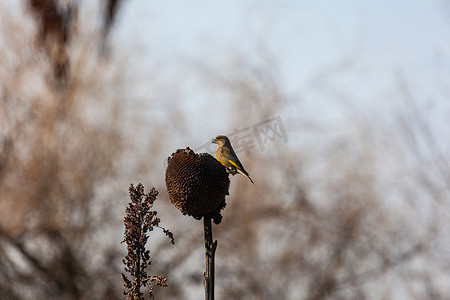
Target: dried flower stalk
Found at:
139, 220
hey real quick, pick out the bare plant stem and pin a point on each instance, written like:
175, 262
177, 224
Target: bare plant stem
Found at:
210, 251
137, 266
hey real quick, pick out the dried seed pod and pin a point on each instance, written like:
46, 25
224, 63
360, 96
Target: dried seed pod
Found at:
197, 183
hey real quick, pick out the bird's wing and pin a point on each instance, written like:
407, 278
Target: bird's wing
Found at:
232, 158
233, 163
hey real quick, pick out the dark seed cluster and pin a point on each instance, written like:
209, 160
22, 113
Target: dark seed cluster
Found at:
197, 184
139, 220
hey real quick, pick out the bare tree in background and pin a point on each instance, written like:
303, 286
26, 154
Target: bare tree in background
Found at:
61, 139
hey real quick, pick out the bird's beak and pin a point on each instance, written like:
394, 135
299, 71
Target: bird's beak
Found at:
214, 141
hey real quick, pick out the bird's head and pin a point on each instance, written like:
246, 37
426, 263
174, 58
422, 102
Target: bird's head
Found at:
220, 140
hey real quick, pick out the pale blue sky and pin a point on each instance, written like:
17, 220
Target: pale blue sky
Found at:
302, 34
308, 40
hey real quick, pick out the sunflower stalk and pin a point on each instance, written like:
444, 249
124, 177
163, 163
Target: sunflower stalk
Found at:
210, 251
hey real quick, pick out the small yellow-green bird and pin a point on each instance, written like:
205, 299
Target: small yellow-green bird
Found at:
227, 157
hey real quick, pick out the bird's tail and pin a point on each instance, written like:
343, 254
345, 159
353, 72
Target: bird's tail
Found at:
243, 172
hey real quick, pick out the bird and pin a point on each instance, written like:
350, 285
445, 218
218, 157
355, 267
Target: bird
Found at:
227, 157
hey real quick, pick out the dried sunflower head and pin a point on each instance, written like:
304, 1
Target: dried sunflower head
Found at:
197, 184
